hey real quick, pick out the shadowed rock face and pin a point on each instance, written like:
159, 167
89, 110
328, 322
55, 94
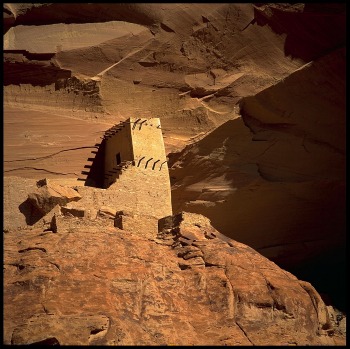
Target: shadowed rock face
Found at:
48, 195
190, 285
275, 179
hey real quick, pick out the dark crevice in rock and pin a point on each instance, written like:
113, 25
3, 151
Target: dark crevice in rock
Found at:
32, 248
166, 28
209, 265
262, 305
47, 341
18, 265
56, 265
244, 332
147, 64
51, 155
270, 286
201, 92
40, 169
253, 21
184, 266
96, 330
279, 306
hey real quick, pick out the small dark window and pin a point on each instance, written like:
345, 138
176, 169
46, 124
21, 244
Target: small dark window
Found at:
118, 158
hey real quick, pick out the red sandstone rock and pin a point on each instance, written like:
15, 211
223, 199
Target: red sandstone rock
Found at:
106, 286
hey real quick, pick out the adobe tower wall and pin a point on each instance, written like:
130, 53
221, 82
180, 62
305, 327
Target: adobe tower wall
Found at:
147, 142
140, 182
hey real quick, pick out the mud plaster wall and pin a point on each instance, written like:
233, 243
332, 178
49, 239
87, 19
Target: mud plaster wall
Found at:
148, 144
149, 191
139, 189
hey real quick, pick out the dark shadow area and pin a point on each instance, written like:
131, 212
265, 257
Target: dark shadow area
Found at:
47, 341
31, 213
311, 33
8, 20
43, 74
328, 274
269, 212
32, 55
95, 175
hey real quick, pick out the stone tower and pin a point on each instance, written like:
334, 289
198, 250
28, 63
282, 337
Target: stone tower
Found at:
136, 167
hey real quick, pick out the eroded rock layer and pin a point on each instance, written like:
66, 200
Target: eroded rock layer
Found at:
188, 285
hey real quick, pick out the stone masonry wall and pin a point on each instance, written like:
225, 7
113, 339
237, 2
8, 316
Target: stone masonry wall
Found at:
140, 183
139, 190
148, 144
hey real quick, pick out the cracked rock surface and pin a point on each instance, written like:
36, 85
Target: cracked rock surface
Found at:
107, 286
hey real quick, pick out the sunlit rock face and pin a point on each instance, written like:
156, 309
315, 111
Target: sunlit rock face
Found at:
188, 285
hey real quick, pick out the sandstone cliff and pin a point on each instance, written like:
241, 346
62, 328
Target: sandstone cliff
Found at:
251, 99
275, 179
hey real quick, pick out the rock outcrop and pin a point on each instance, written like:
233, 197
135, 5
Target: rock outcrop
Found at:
48, 195
275, 178
190, 285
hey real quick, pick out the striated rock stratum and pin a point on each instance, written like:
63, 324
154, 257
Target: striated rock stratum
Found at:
186, 285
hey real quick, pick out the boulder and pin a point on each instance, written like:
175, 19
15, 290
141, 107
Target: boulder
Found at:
47, 196
188, 226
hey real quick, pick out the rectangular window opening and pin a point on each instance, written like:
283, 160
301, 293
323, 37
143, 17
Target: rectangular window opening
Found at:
118, 158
